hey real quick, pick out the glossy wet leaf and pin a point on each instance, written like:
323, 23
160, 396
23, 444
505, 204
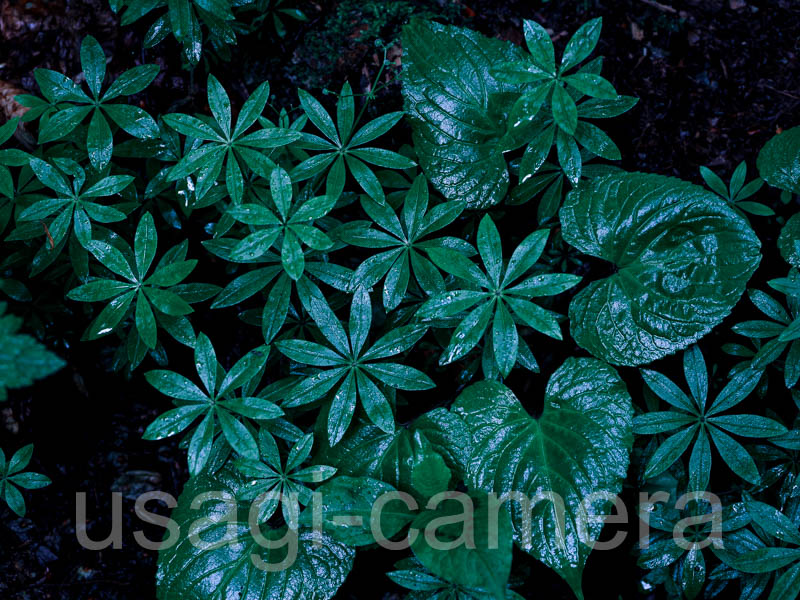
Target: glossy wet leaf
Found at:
683, 258
449, 94
193, 570
578, 446
779, 161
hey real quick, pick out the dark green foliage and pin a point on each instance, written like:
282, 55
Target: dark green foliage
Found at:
399, 305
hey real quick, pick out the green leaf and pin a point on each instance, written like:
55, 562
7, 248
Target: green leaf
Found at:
694, 367
205, 360
771, 520
131, 82
540, 46
245, 369
220, 104
401, 377
578, 446
50, 176
98, 290
99, 142
343, 406
787, 585
591, 85
367, 451
252, 109
779, 161
490, 249
132, 119
190, 569
108, 186
735, 456
309, 353
468, 333
237, 435
669, 451
111, 315
145, 321
504, 340
581, 44
144, 244
112, 259
684, 257
319, 116
201, 444
714, 182
450, 95
365, 178
565, 112
762, 560
345, 111
787, 241
375, 128
175, 385
93, 62
173, 421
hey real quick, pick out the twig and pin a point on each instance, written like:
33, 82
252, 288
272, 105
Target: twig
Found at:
659, 6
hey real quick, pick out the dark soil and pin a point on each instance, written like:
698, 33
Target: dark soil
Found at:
715, 81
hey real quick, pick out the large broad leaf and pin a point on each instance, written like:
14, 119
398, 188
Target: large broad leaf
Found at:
579, 446
223, 568
788, 241
683, 257
779, 161
452, 101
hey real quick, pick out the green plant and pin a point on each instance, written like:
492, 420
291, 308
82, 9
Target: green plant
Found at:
12, 478
702, 422
399, 349
184, 19
342, 149
217, 404
66, 105
737, 193
499, 298
233, 149
356, 371
158, 299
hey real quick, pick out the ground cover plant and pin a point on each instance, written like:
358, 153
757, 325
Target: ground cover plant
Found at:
331, 297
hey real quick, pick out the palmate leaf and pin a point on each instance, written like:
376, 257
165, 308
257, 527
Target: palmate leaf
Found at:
449, 94
214, 571
580, 445
12, 478
684, 257
352, 374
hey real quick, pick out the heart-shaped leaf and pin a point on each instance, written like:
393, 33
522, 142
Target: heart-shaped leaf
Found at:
221, 564
683, 257
579, 446
450, 96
